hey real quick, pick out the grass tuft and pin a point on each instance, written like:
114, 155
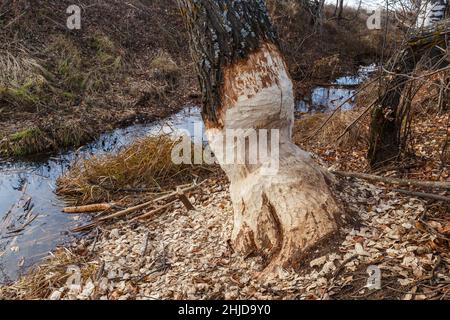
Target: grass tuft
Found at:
309, 123
145, 164
22, 81
165, 68
50, 275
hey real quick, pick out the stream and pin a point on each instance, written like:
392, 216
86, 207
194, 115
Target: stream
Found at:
31, 221
323, 99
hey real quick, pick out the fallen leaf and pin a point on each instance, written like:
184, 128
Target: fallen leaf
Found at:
360, 250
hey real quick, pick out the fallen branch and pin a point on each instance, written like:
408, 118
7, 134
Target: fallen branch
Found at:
85, 227
149, 203
153, 212
401, 182
89, 208
185, 200
135, 208
424, 195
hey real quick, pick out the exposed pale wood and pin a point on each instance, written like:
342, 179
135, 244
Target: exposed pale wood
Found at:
279, 215
89, 208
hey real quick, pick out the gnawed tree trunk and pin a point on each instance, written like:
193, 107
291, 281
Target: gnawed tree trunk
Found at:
246, 85
388, 117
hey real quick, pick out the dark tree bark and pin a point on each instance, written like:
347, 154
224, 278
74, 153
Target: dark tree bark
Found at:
315, 10
336, 8
246, 86
340, 10
222, 32
388, 117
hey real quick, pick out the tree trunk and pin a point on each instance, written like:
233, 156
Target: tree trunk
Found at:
246, 86
336, 8
432, 12
315, 9
388, 117
340, 10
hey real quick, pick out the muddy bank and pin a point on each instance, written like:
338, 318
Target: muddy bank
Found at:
62, 88
27, 191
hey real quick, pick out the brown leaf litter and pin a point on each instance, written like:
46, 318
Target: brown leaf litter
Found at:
186, 255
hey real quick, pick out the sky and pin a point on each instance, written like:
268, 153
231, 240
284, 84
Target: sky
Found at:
365, 3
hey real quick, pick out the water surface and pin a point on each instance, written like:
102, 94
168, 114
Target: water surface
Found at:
27, 195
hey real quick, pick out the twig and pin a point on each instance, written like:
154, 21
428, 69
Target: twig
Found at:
85, 227
402, 182
337, 273
147, 204
95, 241
134, 209
153, 212
423, 195
357, 119
339, 107
343, 264
185, 200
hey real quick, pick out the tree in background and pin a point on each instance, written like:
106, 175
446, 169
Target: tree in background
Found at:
431, 11
315, 9
388, 132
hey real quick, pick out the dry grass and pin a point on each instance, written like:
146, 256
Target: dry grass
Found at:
326, 137
35, 140
16, 70
164, 63
165, 70
48, 276
21, 79
144, 165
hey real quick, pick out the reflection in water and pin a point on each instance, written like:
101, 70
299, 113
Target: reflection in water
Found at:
323, 99
27, 195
